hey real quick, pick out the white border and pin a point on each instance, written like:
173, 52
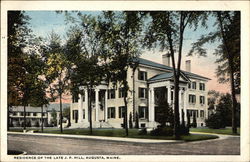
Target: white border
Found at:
243, 6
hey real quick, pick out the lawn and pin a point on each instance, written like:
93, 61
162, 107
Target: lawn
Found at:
133, 133
227, 131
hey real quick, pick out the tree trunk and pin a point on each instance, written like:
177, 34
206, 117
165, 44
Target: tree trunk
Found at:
126, 106
42, 118
61, 117
24, 117
90, 109
231, 72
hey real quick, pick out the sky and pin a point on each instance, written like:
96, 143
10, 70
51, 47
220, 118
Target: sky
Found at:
43, 22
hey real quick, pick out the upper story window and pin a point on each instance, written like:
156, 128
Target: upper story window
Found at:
189, 85
192, 98
122, 92
142, 92
121, 111
22, 114
111, 93
111, 112
202, 100
142, 75
193, 113
193, 85
14, 114
34, 114
202, 86
27, 114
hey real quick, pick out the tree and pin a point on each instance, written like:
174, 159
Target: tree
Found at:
122, 48
188, 120
85, 53
194, 124
18, 32
130, 121
136, 120
164, 111
166, 30
57, 69
228, 51
54, 117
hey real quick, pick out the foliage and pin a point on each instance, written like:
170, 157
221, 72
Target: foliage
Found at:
194, 124
164, 111
162, 131
214, 121
143, 131
136, 120
228, 52
166, 30
54, 117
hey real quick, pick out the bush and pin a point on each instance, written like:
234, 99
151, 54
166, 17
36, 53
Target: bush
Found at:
184, 130
162, 131
36, 124
214, 121
143, 131
28, 123
194, 124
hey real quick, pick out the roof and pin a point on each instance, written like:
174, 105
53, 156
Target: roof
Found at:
49, 107
161, 76
162, 66
28, 109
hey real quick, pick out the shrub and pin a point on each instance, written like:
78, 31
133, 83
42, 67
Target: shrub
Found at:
143, 131
214, 121
28, 123
136, 120
162, 131
36, 124
184, 130
194, 124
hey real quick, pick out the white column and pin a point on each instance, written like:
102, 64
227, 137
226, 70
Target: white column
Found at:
96, 104
106, 105
149, 104
180, 105
169, 94
80, 113
185, 104
86, 105
153, 105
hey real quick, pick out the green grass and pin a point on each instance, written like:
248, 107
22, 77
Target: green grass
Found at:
133, 133
227, 131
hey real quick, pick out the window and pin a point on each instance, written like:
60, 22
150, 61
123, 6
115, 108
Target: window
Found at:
192, 113
111, 112
202, 113
43, 114
22, 113
34, 114
172, 95
202, 100
14, 114
192, 99
193, 85
121, 111
202, 86
142, 93
111, 93
121, 92
27, 114
189, 85
143, 112
142, 75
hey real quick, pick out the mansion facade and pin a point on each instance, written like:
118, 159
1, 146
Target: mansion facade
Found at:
146, 84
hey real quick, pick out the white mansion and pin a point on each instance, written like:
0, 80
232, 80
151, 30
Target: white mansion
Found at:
145, 82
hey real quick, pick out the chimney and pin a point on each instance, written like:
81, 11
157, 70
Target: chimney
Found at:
188, 65
166, 59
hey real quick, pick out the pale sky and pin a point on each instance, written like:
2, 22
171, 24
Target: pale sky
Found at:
43, 22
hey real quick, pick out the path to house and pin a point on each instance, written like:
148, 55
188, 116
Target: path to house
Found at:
62, 145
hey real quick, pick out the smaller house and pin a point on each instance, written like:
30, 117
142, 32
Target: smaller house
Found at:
35, 116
